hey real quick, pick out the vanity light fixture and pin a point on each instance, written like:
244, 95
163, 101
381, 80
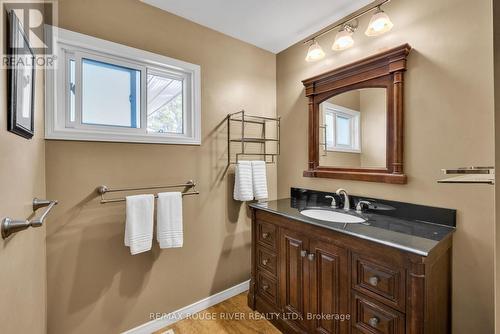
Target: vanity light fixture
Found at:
379, 23
315, 52
343, 39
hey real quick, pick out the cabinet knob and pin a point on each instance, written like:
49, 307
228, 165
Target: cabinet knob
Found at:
374, 321
310, 256
265, 262
303, 253
265, 287
373, 280
265, 235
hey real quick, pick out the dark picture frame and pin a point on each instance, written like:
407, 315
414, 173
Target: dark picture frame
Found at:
21, 81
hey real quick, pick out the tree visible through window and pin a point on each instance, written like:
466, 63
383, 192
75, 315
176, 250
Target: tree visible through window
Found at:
165, 105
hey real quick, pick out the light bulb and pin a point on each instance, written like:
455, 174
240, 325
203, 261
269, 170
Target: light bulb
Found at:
315, 52
379, 24
343, 40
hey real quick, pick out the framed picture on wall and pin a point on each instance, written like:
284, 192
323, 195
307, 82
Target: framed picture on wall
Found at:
21, 81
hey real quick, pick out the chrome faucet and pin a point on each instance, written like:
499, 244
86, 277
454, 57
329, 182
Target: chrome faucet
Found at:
333, 205
343, 192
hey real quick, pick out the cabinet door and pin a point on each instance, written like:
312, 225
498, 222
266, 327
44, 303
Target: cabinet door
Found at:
329, 310
294, 278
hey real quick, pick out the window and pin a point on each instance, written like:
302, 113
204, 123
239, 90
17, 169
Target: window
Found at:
342, 128
103, 91
110, 94
165, 105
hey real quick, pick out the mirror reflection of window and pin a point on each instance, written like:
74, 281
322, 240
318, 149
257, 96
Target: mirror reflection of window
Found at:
329, 130
343, 131
342, 128
353, 129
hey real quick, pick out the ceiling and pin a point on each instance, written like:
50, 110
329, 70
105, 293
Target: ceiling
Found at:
273, 25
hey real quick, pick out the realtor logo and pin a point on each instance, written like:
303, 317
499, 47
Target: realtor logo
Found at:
34, 20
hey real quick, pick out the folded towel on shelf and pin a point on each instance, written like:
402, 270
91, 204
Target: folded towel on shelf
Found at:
139, 223
259, 180
243, 189
169, 220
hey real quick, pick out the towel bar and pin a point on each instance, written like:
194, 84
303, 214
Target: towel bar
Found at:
105, 189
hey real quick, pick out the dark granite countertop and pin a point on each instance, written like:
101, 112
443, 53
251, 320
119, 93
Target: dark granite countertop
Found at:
382, 226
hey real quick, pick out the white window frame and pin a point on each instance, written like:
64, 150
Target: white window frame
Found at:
72, 45
354, 117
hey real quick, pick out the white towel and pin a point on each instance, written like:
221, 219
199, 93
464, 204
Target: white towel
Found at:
243, 190
259, 179
139, 223
169, 220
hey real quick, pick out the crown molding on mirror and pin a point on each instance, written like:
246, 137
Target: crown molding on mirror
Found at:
384, 70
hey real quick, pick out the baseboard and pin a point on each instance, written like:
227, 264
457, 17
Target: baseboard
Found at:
184, 312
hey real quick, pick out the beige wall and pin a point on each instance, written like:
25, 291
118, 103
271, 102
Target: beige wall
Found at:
94, 284
349, 100
496, 41
448, 123
373, 107
22, 256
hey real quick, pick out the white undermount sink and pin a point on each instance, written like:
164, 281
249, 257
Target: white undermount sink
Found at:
332, 216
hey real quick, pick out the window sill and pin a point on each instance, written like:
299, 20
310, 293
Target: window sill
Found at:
117, 138
340, 150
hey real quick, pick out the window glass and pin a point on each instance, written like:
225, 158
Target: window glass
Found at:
165, 105
343, 130
110, 94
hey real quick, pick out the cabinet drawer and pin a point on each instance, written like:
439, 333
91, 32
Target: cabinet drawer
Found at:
267, 288
374, 318
266, 261
267, 235
383, 282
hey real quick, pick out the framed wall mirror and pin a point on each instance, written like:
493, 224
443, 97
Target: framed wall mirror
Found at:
356, 119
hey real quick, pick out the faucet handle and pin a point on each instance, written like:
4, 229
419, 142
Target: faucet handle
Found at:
333, 204
361, 205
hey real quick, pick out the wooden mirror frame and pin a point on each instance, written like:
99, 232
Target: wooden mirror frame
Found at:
383, 70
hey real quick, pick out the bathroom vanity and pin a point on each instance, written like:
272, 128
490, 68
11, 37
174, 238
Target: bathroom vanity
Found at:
389, 274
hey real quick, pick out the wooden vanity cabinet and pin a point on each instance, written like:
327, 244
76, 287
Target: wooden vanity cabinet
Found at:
313, 276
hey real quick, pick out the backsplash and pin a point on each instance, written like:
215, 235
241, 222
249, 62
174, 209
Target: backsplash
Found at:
302, 198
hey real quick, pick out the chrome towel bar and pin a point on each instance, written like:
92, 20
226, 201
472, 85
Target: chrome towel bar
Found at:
10, 226
102, 190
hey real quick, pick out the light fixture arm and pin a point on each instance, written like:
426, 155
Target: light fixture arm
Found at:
351, 26
346, 22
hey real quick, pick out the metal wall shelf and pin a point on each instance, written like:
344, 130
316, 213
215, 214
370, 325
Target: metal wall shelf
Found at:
470, 175
253, 140
243, 118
